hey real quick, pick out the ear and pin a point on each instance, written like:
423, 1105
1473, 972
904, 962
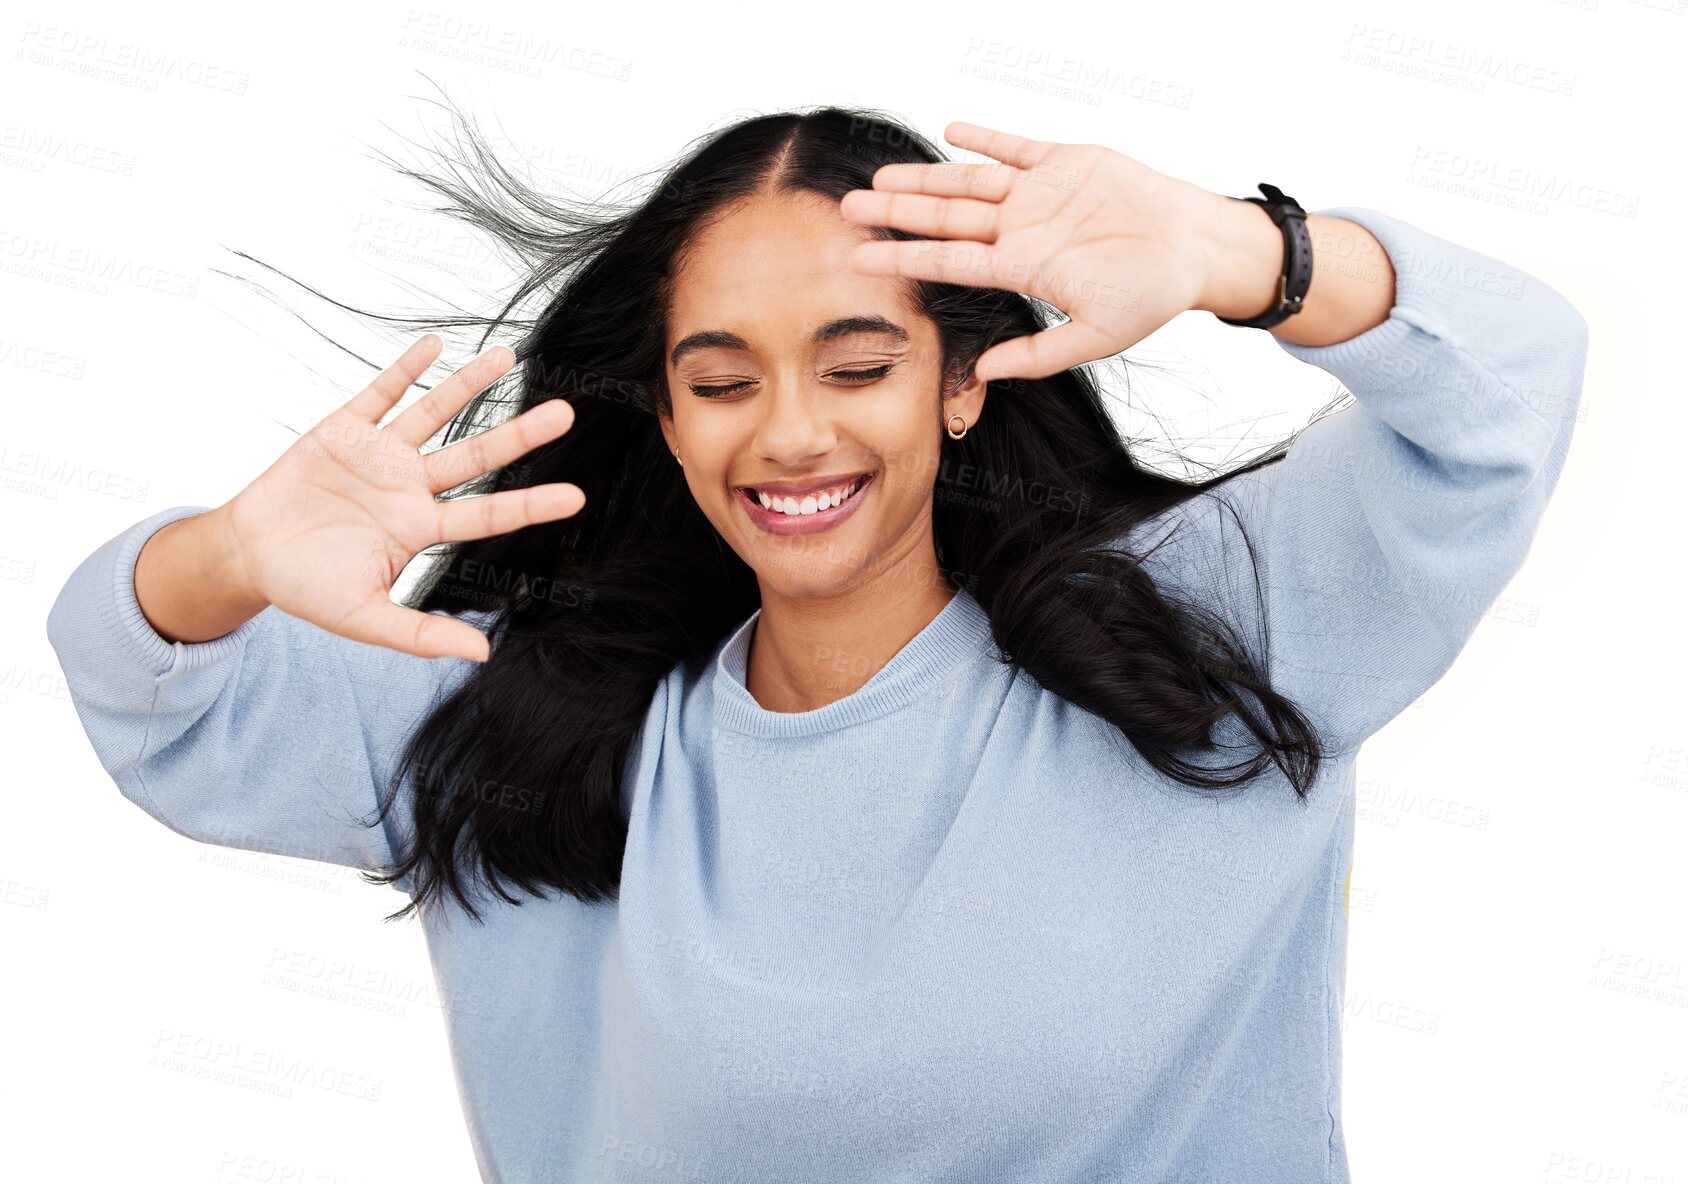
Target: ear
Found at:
666, 424
967, 400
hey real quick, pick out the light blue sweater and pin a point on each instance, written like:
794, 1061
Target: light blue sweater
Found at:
949, 927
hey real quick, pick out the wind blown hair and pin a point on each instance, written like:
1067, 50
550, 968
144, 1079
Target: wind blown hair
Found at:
589, 613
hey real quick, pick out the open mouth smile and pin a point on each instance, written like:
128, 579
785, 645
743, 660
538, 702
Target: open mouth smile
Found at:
815, 508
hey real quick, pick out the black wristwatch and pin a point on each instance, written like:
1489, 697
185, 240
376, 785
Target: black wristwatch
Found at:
1288, 216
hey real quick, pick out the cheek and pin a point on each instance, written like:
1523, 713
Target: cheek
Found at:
906, 440
709, 445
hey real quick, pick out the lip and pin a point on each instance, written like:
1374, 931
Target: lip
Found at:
776, 523
808, 485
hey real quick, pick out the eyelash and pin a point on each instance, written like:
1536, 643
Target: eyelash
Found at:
715, 392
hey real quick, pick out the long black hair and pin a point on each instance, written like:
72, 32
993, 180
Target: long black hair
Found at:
588, 613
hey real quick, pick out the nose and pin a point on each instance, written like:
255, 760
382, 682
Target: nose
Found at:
797, 424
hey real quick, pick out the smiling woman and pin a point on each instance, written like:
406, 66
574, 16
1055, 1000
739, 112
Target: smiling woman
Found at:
812, 440
810, 504
717, 338
860, 792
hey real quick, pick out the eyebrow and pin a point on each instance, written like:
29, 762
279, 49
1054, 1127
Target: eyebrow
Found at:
831, 331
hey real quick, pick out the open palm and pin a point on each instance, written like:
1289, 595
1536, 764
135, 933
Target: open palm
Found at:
324, 532
1113, 244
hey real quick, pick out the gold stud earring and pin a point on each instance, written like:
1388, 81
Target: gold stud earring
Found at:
953, 434
677, 457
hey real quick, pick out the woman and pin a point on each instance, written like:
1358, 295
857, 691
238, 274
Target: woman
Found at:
873, 833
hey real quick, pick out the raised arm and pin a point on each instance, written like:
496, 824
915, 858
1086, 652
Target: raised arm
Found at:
256, 688
277, 737
1392, 525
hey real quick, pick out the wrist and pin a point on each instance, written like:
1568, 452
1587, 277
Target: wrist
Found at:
1244, 260
184, 586
225, 562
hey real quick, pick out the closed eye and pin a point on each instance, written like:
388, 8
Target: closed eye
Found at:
853, 376
864, 375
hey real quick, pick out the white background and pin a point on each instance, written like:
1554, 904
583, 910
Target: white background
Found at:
1517, 990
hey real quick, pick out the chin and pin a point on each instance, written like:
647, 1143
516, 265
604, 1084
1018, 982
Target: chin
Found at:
796, 576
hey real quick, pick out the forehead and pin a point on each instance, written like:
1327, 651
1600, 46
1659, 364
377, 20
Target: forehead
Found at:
775, 263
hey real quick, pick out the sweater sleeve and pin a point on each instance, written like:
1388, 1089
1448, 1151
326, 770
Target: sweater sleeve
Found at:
276, 737
1392, 525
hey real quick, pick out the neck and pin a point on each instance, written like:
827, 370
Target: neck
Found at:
808, 651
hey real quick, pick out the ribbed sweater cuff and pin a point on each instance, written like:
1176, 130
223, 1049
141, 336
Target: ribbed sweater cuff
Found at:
127, 628
1421, 301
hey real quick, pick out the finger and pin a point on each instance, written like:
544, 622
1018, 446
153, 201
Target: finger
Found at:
423, 418
944, 262
447, 468
1015, 150
378, 398
424, 635
483, 515
1038, 355
987, 182
917, 213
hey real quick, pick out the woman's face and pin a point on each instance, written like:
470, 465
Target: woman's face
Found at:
794, 376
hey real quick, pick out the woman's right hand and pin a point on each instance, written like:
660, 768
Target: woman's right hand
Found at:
324, 532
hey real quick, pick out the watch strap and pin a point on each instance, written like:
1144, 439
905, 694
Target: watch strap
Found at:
1297, 272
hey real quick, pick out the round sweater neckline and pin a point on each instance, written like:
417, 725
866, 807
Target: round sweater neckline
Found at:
959, 633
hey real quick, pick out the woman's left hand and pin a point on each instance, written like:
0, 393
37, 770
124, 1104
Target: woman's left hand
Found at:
1118, 247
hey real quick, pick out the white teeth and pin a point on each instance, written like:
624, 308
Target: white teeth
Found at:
811, 503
